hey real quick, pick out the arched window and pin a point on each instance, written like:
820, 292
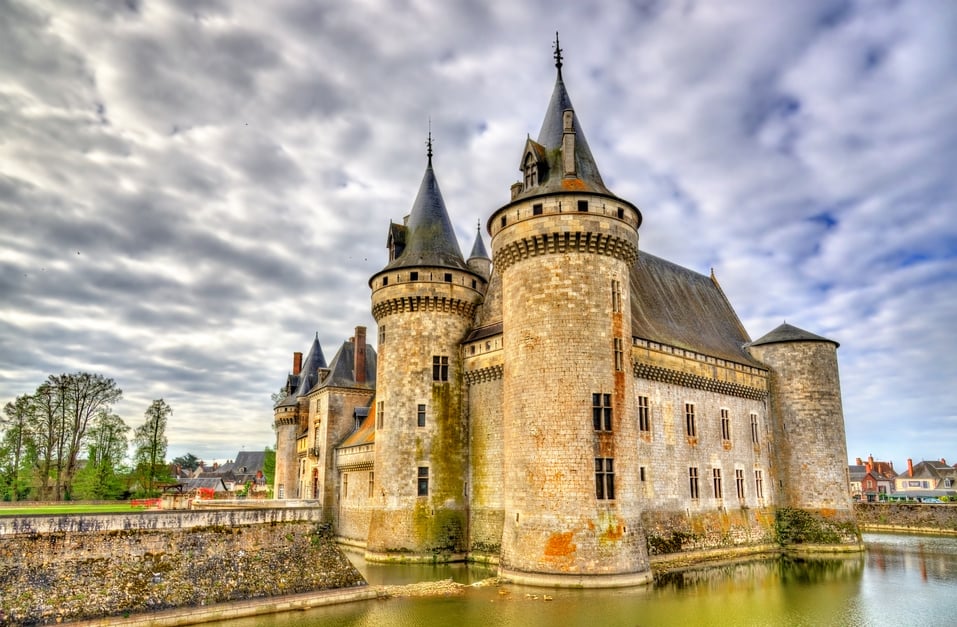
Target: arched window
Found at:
531, 171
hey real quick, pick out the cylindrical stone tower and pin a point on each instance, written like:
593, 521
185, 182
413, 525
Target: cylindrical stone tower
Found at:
424, 301
807, 424
564, 248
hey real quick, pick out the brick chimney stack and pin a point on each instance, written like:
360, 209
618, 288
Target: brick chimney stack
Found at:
910, 467
359, 373
296, 363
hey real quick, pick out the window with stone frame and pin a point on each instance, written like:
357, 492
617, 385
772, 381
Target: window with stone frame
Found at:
381, 334
619, 355
380, 414
345, 486
615, 296
420, 415
691, 426
644, 414
739, 482
601, 411
371, 483
440, 368
531, 170
716, 483
759, 484
604, 478
754, 428
422, 485
725, 425
693, 482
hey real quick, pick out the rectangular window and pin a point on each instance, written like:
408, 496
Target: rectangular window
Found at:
615, 296
380, 413
282, 490
381, 334
440, 368
604, 478
693, 482
758, 484
504, 221
601, 411
716, 480
691, 428
725, 425
345, 486
371, 484
619, 355
754, 427
621, 213
739, 482
385, 281
423, 481
642, 476
583, 205
448, 277
537, 209
644, 416
421, 415
413, 276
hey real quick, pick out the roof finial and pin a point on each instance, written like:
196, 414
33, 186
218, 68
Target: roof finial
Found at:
429, 143
558, 55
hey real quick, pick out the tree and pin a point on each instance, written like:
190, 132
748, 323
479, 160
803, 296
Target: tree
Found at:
269, 467
187, 461
150, 441
83, 396
106, 447
17, 448
46, 408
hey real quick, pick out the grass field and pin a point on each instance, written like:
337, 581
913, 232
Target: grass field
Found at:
68, 508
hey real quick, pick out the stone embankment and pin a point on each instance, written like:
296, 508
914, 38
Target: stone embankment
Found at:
907, 517
62, 576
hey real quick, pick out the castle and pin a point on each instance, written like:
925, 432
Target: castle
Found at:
570, 408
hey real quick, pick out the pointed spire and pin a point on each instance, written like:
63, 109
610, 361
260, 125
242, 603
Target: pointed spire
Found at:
430, 239
428, 151
310, 366
478, 248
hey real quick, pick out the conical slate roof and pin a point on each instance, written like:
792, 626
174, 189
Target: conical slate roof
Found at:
431, 239
478, 248
309, 375
788, 333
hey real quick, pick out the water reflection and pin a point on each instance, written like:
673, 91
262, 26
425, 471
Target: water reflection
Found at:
902, 580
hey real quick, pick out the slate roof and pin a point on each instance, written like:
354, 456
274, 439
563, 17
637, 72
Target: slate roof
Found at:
343, 364
679, 307
309, 375
548, 148
788, 333
478, 247
429, 239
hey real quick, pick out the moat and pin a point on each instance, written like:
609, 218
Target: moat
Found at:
900, 580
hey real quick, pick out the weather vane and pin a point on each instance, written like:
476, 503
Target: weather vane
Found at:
429, 143
558, 55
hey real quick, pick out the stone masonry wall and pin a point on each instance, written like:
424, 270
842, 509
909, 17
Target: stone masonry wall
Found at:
91, 567
486, 461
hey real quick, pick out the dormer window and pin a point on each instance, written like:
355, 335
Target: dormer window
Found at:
530, 168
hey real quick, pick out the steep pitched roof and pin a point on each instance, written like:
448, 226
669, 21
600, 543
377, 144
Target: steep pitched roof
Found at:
341, 368
679, 307
365, 434
788, 333
430, 239
478, 247
309, 375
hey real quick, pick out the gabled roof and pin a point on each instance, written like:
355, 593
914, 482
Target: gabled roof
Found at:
788, 333
342, 366
682, 308
430, 239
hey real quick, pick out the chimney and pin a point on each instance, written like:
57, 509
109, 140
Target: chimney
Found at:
858, 462
870, 459
359, 371
943, 461
296, 363
910, 467
870, 467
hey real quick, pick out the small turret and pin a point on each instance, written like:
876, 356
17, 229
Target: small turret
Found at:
479, 261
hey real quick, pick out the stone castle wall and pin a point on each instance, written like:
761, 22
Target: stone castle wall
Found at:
486, 450
64, 568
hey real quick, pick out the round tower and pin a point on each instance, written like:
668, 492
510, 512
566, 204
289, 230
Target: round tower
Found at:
564, 247
423, 301
807, 425
290, 416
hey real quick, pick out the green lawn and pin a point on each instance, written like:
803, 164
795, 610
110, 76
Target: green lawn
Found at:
68, 508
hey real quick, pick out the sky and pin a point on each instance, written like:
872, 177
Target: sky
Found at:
190, 190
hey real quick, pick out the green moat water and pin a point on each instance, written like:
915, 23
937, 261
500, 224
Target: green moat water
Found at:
901, 580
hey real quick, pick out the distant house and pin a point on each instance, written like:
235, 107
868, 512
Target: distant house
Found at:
871, 479
927, 479
248, 468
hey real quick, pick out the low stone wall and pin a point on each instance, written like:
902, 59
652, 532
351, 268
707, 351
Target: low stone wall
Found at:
62, 568
907, 517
